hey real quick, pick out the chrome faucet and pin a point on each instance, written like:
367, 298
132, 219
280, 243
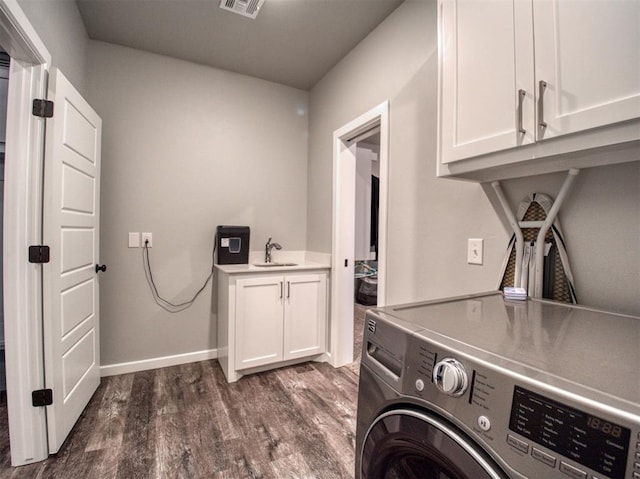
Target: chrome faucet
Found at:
267, 250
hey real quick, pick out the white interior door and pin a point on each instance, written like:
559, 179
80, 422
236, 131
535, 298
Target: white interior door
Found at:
70, 284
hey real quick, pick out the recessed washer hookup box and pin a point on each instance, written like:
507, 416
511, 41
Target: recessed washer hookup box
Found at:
232, 244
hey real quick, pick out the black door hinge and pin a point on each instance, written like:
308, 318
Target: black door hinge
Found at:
39, 254
42, 108
42, 397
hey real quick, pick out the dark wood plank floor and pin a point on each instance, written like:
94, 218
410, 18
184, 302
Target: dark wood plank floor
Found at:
187, 422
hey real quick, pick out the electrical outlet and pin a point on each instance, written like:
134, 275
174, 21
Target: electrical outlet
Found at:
474, 251
147, 237
134, 240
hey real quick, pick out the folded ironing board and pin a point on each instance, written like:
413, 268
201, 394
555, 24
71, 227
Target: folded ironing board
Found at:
536, 258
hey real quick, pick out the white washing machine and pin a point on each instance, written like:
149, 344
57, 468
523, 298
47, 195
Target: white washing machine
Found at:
479, 387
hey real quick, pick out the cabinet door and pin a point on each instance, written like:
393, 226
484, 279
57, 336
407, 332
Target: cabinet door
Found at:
259, 316
486, 58
588, 53
305, 315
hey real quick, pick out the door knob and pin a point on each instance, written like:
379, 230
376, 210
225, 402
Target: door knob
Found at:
100, 267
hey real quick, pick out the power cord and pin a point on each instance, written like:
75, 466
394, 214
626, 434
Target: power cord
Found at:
160, 301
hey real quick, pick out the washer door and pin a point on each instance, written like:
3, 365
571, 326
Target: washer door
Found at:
407, 444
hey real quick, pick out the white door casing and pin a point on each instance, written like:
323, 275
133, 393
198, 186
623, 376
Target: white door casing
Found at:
340, 349
70, 282
23, 227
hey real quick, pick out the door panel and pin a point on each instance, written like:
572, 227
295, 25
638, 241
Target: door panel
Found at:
71, 229
78, 191
77, 305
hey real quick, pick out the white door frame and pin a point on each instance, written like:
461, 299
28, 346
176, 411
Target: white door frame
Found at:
23, 227
342, 258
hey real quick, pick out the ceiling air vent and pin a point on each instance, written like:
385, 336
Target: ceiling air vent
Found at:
246, 8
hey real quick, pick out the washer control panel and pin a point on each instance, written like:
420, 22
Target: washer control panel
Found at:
527, 427
589, 440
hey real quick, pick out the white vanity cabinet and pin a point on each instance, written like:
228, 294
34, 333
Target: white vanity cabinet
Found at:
521, 81
270, 319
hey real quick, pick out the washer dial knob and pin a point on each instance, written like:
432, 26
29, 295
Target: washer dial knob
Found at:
450, 377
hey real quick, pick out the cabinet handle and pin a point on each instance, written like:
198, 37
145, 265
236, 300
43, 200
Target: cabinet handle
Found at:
288, 288
521, 94
541, 88
281, 289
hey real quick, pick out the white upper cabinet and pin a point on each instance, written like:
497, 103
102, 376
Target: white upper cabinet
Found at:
486, 60
588, 55
523, 80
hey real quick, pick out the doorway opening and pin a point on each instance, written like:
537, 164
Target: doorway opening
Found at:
360, 164
367, 204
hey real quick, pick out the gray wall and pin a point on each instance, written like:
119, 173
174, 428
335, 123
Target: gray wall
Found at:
430, 219
600, 220
185, 148
60, 27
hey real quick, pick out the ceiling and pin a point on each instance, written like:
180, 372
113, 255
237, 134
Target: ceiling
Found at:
293, 42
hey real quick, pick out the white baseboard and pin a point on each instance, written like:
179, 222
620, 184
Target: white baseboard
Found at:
155, 363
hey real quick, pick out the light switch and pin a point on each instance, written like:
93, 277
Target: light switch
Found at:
134, 240
474, 251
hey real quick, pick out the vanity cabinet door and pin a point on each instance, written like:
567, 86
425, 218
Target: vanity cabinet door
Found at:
588, 55
259, 325
305, 315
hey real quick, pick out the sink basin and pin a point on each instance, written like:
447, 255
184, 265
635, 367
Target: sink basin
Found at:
272, 265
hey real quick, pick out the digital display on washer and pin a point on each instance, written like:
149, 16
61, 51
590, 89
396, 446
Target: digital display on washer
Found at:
589, 440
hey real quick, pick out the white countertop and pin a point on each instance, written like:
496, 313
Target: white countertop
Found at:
303, 261
252, 268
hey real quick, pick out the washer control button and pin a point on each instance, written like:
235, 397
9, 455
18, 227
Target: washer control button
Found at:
517, 443
542, 456
420, 385
484, 423
572, 471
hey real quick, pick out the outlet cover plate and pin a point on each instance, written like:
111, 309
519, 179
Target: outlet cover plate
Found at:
145, 237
